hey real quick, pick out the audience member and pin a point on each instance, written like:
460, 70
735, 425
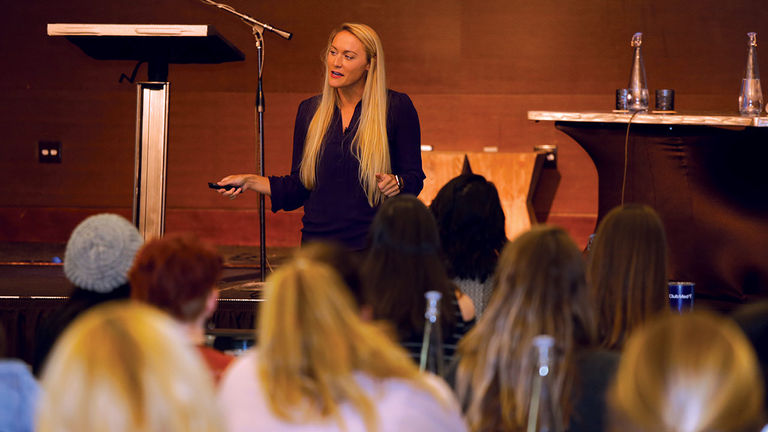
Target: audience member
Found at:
471, 225
96, 261
540, 288
627, 271
18, 393
402, 264
319, 367
177, 274
694, 372
124, 367
345, 261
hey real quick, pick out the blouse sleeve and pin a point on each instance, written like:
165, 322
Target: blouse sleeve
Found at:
405, 143
288, 192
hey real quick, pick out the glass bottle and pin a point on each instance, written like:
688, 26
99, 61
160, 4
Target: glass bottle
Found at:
638, 89
751, 96
544, 413
431, 358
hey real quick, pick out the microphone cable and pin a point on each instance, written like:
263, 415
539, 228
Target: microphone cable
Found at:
626, 157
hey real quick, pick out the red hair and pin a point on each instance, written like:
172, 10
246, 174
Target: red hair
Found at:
176, 274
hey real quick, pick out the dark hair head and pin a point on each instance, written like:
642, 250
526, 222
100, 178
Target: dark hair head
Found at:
471, 224
176, 274
627, 271
341, 259
404, 224
403, 263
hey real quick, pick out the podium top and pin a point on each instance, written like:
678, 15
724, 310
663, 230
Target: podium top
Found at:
172, 43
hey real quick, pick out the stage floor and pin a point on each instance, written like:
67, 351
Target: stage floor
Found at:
33, 286
32, 270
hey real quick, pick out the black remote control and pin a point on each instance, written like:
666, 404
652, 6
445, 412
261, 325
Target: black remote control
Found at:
216, 186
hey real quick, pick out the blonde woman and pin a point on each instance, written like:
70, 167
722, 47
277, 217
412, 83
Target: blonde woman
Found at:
319, 367
126, 367
687, 373
353, 145
539, 288
627, 272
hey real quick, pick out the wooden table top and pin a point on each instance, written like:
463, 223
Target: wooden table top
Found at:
651, 117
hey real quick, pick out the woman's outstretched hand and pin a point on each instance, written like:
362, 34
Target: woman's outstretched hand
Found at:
237, 180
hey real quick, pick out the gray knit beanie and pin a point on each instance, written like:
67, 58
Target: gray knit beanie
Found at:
100, 251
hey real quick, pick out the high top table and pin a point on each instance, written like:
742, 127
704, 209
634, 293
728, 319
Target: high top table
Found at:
705, 175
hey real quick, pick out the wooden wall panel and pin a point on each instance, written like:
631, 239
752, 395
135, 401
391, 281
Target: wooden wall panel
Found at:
472, 70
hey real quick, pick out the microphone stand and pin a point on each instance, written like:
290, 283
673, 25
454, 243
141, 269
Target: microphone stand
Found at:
259, 38
258, 28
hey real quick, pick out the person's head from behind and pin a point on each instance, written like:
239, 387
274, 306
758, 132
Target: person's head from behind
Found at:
345, 262
404, 262
177, 274
99, 253
471, 224
125, 366
694, 372
312, 342
627, 271
540, 289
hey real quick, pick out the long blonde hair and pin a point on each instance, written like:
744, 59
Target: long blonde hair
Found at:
539, 288
125, 367
627, 271
370, 144
312, 342
695, 372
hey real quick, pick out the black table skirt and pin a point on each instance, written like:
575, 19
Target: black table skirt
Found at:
709, 185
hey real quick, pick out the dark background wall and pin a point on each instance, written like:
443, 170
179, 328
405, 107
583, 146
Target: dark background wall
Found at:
473, 70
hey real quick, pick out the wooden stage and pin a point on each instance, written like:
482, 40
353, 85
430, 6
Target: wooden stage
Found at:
33, 285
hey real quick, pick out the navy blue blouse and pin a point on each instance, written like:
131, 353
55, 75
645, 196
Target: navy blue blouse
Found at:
337, 208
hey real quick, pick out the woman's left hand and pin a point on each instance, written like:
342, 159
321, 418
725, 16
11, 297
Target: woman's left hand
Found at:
387, 184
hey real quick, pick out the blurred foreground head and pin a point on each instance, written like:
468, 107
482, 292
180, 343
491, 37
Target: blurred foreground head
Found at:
695, 372
313, 344
125, 367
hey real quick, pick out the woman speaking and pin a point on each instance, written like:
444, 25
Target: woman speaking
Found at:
353, 146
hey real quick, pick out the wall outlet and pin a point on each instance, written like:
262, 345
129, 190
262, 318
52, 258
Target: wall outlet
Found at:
49, 151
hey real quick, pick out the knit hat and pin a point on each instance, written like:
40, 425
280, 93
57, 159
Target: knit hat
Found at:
100, 251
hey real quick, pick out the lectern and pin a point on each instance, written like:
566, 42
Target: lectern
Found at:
158, 46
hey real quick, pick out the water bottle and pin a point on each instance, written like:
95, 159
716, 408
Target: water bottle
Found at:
431, 358
751, 96
544, 414
638, 89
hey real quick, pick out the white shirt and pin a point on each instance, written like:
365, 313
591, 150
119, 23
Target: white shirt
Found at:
400, 405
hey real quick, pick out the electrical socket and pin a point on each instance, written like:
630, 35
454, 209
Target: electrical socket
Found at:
49, 151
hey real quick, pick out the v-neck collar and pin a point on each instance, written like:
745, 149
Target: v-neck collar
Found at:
353, 121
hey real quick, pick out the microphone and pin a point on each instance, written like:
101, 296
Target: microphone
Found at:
250, 20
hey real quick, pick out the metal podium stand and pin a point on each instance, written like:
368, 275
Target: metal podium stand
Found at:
159, 46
